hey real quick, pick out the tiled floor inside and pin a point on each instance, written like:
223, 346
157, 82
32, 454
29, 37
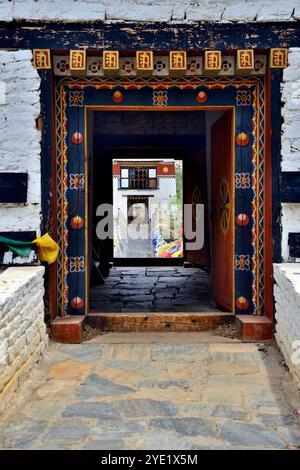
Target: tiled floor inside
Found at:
153, 289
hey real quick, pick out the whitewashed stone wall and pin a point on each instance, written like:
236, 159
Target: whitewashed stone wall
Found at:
291, 141
287, 297
19, 140
151, 10
23, 337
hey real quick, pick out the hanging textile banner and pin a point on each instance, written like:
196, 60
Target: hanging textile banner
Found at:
47, 248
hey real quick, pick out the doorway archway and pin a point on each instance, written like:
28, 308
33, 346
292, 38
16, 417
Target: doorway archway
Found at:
242, 193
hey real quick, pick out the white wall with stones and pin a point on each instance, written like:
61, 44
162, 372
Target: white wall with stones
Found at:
287, 297
290, 149
287, 276
22, 328
23, 337
151, 10
19, 140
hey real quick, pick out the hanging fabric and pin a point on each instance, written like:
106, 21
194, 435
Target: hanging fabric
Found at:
47, 248
19, 248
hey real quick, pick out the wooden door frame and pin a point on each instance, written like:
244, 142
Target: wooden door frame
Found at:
110, 84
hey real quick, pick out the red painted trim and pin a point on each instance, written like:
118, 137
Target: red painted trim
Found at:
159, 108
166, 169
268, 248
52, 285
116, 169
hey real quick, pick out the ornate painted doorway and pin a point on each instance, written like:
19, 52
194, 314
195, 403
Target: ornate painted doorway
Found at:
241, 201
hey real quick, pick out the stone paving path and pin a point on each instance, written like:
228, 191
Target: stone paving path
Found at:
153, 289
154, 391
139, 248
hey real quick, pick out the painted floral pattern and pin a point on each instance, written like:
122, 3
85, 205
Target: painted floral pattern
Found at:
242, 180
76, 99
243, 98
77, 264
77, 181
160, 98
242, 262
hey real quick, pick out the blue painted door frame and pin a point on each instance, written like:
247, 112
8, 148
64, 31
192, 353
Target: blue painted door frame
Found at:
242, 96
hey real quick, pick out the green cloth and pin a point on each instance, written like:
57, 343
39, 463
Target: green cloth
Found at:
19, 248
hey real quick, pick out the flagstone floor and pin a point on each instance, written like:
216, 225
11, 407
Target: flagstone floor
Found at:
154, 391
153, 289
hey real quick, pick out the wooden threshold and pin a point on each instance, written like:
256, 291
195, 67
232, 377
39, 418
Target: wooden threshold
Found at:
162, 321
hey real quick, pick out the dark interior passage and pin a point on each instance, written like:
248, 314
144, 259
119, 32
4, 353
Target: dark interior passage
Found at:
139, 285
149, 135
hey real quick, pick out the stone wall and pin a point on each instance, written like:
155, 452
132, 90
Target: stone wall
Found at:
290, 141
150, 10
23, 337
20, 141
287, 297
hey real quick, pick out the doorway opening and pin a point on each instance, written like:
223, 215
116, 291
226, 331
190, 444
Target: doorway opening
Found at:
147, 208
148, 165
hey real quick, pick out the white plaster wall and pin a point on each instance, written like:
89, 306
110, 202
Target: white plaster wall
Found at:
23, 337
290, 141
287, 298
19, 139
150, 10
290, 222
291, 113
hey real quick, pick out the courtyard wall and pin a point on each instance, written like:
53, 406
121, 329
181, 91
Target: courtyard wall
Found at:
287, 297
23, 337
20, 140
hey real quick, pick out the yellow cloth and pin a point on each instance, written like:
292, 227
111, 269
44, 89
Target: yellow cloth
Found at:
47, 248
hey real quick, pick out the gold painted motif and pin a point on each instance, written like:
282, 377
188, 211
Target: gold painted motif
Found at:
77, 60
245, 59
42, 58
196, 199
110, 60
224, 206
178, 60
278, 58
144, 60
213, 60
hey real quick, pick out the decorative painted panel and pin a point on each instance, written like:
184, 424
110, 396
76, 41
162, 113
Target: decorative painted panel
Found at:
94, 67
127, 67
61, 65
161, 66
228, 66
260, 65
194, 66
